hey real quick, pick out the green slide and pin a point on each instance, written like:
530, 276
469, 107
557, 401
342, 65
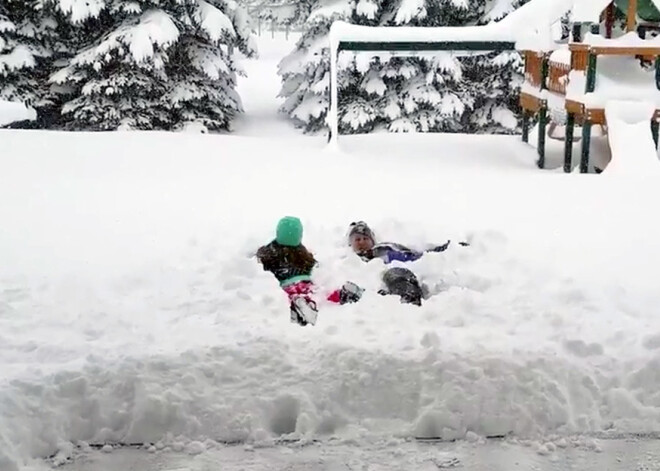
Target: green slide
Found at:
646, 10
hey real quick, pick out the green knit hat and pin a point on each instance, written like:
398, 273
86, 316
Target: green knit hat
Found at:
289, 231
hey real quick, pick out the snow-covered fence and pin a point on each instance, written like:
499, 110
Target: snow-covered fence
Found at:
275, 18
408, 41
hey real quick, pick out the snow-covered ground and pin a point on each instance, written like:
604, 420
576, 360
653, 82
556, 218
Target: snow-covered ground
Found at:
131, 310
391, 454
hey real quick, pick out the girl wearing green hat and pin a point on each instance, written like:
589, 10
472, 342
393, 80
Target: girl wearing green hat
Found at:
292, 264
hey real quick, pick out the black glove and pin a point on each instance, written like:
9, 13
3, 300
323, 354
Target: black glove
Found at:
350, 293
440, 248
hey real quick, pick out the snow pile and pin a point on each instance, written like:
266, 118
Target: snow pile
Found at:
533, 23
342, 31
12, 111
617, 78
589, 11
561, 56
132, 310
536, 14
81, 10
631, 39
628, 123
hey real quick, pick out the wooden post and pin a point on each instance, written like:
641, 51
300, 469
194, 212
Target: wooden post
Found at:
525, 126
543, 121
586, 126
591, 73
579, 57
568, 142
586, 142
631, 18
577, 32
544, 71
609, 20
333, 106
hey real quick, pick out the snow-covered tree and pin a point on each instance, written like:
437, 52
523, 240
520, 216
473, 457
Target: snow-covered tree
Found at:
433, 92
153, 64
19, 53
305, 72
30, 42
495, 80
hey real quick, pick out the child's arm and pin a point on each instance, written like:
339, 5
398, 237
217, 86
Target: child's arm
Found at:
390, 252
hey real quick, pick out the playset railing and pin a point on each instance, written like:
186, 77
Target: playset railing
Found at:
558, 76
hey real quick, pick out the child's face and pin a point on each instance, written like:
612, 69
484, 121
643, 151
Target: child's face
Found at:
361, 243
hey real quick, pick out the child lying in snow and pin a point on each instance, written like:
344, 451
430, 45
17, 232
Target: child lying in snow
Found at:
363, 242
292, 264
398, 280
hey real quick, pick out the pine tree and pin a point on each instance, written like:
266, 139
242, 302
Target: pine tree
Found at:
306, 71
30, 43
427, 93
496, 78
154, 64
438, 92
18, 53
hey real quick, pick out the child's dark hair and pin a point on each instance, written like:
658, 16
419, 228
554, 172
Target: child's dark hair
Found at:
285, 261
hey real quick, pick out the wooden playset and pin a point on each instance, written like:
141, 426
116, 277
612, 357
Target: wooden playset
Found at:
617, 56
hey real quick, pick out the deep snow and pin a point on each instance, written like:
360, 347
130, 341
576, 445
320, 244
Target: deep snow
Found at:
132, 311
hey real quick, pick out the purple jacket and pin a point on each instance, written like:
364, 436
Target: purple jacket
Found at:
389, 252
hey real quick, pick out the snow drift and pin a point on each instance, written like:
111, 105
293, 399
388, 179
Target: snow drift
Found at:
132, 311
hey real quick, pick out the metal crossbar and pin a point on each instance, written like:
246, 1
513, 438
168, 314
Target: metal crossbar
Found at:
377, 46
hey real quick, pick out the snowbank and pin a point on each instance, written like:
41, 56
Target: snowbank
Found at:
589, 10
629, 125
131, 310
12, 111
618, 78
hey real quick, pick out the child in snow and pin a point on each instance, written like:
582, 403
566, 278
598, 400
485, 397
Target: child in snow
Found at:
398, 280
292, 264
363, 242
